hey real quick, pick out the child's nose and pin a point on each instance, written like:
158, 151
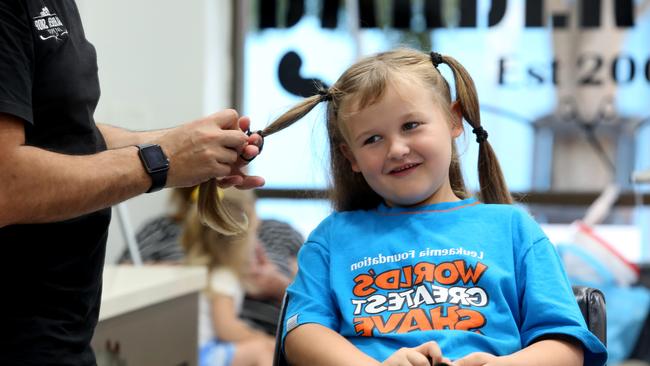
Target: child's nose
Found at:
398, 149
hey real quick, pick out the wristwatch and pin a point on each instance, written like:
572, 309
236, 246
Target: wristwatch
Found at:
155, 163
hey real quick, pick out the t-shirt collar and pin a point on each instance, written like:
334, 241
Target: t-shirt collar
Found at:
434, 207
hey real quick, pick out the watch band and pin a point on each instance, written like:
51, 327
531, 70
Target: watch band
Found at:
158, 180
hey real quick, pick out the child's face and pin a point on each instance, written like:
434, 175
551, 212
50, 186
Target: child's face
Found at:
403, 145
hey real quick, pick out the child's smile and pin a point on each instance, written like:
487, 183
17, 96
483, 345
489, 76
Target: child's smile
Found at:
404, 170
402, 145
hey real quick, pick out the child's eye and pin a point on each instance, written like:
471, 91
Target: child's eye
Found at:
372, 139
410, 125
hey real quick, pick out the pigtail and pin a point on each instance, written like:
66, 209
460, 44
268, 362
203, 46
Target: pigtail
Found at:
211, 211
296, 113
456, 180
492, 182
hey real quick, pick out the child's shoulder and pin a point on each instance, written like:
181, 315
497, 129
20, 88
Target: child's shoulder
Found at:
511, 210
518, 219
512, 216
339, 219
340, 223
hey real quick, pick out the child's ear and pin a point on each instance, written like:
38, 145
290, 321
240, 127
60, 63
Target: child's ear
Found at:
345, 150
456, 119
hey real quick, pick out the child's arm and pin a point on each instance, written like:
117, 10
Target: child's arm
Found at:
549, 352
229, 327
543, 353
314, 344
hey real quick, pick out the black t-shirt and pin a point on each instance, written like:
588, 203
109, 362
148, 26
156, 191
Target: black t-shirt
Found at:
50, 274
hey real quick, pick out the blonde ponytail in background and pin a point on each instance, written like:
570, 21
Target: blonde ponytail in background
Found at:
213, 213
204, 245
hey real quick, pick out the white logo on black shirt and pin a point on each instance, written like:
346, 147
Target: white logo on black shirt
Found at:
49, 25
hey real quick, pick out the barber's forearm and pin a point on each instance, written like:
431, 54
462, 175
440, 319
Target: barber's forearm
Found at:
41, 186
548, 353
117, 137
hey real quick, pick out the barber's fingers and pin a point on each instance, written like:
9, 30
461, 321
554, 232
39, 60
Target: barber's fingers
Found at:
251, 181
225, 155
229, 181
222, 170
241, 181
220, 128
254, 143
233, 139
226, 119
248, 153
256, 140
244, 123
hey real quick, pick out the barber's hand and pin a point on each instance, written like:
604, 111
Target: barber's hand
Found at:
479, 359
209, 148
249, 152
426, 354
254, 143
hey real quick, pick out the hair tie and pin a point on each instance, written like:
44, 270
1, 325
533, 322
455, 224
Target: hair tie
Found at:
436, 59
481, 134
325, 95
194, 196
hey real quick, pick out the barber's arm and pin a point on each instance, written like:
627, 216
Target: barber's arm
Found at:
39, 186
117, 137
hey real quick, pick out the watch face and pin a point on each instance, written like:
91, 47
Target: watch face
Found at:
154, 158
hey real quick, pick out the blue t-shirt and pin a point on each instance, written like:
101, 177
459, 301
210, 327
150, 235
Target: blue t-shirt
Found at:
470, 276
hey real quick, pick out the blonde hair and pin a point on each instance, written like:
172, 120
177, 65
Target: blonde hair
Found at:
206, 246
364, 83
182, 202
214, 214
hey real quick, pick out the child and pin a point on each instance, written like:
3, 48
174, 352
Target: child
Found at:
411, 269
224, 339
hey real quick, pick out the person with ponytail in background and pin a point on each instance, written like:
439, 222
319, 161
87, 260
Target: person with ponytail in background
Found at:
411, 269
227, 249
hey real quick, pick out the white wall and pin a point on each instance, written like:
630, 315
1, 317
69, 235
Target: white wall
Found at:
161, 63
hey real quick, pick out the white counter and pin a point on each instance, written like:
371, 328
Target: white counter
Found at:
149, 315
128, 288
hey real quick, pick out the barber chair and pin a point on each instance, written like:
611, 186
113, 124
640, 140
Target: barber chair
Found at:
590, 300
